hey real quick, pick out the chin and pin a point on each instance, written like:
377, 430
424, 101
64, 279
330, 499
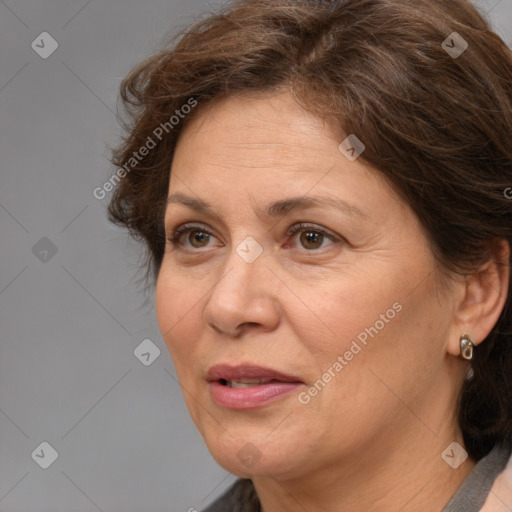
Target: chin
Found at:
275, 466
254, 454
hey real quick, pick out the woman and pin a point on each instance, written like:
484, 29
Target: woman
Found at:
321, 187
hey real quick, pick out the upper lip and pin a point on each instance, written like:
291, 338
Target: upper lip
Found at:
247, 371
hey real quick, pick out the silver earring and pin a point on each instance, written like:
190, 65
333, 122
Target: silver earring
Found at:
466, 347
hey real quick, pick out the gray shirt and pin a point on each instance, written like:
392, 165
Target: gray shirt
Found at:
470, 497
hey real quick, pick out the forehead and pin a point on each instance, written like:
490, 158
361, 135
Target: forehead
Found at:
263, 124
267, 151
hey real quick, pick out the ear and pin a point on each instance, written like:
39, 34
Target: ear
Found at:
482, 298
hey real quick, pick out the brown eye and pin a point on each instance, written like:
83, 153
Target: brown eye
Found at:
311, 239
198, 236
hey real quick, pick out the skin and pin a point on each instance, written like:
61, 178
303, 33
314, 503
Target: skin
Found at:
372, 439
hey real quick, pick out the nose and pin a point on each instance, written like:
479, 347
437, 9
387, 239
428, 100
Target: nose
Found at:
242, 298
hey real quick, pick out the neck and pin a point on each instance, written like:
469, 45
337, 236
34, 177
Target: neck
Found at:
397, 471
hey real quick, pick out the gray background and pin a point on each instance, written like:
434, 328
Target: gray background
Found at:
70, 321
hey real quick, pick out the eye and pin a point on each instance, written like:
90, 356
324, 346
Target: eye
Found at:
198, 236
311, 236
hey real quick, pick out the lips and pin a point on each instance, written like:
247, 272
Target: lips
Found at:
248, 386
247, 373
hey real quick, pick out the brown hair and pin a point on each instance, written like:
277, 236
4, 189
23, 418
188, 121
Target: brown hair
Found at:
436, 125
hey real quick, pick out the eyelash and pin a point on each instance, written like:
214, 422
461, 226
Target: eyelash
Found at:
296, 228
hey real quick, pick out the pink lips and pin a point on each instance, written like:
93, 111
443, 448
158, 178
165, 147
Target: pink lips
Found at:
276, 385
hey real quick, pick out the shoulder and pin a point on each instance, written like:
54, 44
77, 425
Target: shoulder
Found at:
500, 497
240, 497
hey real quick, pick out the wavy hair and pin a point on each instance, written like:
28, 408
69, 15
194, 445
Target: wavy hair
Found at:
436, 124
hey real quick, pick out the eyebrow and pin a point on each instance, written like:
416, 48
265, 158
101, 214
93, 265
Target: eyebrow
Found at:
275, 209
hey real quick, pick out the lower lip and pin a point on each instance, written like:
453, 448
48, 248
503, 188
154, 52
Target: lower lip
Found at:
251, 397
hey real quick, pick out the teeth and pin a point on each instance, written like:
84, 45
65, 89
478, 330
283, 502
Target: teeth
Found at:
247, 383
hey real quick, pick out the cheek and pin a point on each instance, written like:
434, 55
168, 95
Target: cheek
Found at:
176, 310
378, 326
357, 309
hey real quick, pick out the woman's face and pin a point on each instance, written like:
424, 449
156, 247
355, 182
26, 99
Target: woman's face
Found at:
301, 308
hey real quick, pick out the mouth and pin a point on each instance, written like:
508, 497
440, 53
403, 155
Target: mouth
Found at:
249, 387
245, 383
